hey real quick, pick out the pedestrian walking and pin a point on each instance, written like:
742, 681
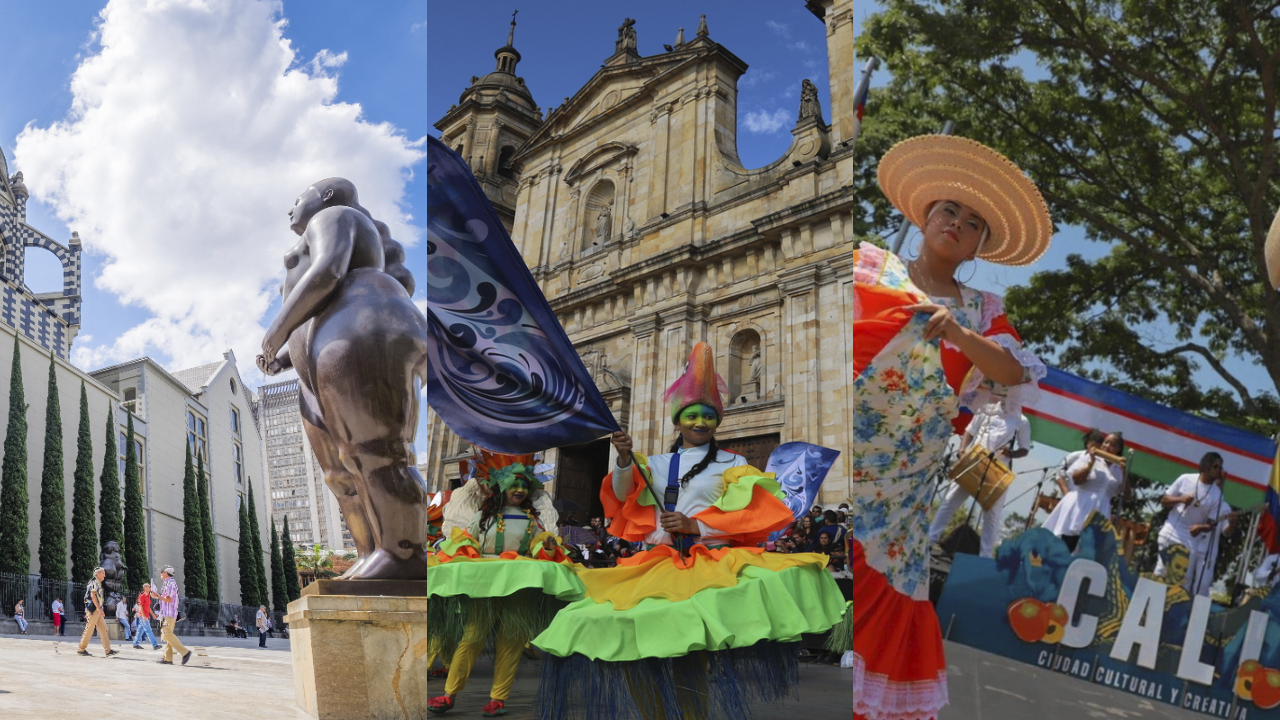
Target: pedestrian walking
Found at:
122, 617
263, 622
20, 615
168, 597
93, 616
59, 621
142, 616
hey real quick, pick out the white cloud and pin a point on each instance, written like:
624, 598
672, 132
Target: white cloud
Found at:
800, 45
751, 79
782, 30
763, 121
192, 129
418, 27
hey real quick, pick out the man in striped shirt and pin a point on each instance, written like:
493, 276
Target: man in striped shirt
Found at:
93, 615
169, 617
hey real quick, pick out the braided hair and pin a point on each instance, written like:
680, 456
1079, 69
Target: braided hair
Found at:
713, 452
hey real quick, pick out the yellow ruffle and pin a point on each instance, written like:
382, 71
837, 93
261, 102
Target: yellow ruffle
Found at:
657, 576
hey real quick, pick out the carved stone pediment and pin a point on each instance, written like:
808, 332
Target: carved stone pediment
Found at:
610, 153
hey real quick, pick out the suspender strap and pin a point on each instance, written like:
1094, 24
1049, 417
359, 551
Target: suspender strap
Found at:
683, 542
673, 483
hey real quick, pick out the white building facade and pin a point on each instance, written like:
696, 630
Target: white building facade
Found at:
211, 410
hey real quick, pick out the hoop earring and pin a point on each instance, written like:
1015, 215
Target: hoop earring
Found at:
913, 249
975, 272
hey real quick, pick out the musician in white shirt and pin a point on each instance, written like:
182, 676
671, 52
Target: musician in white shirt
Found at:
1197, 518
1000, 429
1094, 483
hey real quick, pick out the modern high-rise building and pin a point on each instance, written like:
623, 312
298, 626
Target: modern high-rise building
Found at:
293, 474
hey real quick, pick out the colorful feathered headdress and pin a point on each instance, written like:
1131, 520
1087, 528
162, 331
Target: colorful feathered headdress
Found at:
700, 383
517, 475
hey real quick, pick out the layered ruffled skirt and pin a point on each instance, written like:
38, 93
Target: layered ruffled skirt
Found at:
661, 637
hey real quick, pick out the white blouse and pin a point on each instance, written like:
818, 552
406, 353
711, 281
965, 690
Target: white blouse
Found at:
1095, 492
703, 489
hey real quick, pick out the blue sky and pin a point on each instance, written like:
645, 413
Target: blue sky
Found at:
177, 147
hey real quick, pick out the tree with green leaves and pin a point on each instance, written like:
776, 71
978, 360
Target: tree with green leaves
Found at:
135, 524
318, 561
84, 529
250, 594
15, 554
206, 520
193, 566
293, 590
110, 516
1152, 127
259, 566
53, 491
279, 594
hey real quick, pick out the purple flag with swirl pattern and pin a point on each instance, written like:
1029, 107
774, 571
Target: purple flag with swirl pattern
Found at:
501, 371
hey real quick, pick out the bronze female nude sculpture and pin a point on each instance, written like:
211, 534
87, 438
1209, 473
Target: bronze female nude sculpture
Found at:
359, 344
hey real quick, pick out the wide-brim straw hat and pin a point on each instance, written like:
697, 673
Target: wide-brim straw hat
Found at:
920, 171
1272, 252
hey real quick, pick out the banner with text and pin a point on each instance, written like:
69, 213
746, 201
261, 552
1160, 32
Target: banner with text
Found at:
1086, 614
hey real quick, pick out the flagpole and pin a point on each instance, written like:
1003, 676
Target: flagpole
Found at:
905, 227
859, 91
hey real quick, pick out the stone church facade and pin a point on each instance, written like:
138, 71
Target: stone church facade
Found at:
629, 204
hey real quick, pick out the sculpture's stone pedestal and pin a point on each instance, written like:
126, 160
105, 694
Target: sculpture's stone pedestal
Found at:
359, 649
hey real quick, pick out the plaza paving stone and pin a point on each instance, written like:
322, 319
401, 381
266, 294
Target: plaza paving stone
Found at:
43, 678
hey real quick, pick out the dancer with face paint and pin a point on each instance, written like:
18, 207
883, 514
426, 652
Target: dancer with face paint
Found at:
481, 583
702, 620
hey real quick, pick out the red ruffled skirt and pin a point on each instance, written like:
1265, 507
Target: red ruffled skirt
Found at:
899, 665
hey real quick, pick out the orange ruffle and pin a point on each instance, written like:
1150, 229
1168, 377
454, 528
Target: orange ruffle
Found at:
631, 521
900, 665
751, 525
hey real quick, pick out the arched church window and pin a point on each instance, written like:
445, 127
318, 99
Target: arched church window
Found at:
746, 367
504, 162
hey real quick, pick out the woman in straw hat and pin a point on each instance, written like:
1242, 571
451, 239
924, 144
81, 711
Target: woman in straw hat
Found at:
926, 347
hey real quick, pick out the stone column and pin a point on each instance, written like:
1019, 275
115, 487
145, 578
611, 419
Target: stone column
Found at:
491, 159
840, 63
470, 143
660, 118
800, 370
646, 396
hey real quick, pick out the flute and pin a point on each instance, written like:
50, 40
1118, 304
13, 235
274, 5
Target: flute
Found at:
1113, 459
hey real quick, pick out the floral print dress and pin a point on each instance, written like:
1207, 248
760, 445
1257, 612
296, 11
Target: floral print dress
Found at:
907, 393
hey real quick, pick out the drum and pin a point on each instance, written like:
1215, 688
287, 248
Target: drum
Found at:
980, 474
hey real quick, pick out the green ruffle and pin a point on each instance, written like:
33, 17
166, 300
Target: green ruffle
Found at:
738, 495
520, 595
500, 578
764, 605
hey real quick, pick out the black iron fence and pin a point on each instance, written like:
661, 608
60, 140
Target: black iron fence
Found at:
38, 594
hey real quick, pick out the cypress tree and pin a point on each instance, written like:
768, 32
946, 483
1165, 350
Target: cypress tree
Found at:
135, 524
53, 493
206, 523
84, 529
279, 598
248, 571
110, 518
15, 554
259, 566
192, 534
292, 589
